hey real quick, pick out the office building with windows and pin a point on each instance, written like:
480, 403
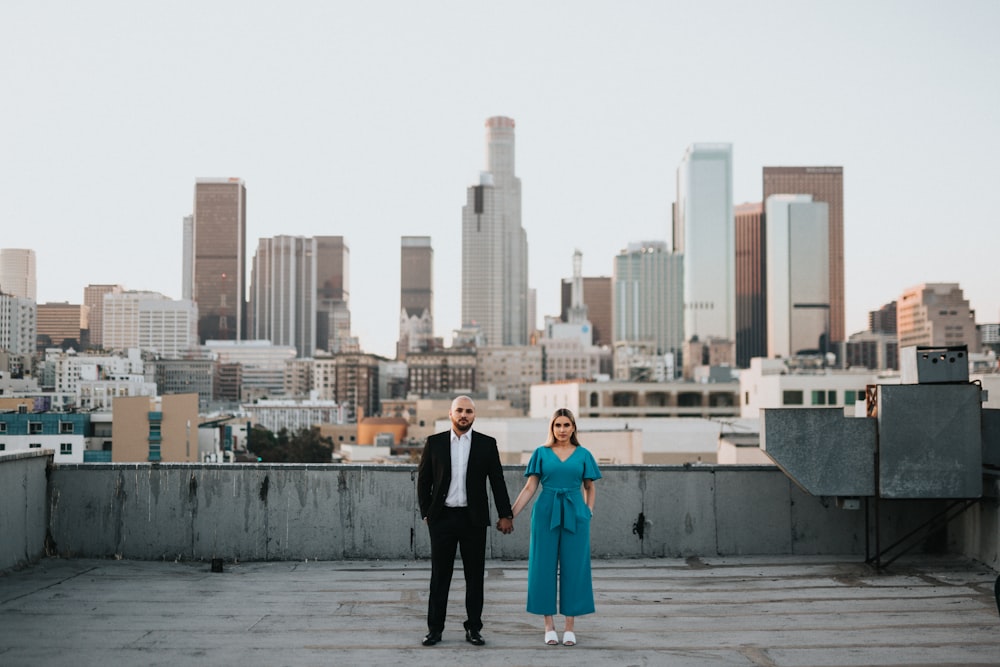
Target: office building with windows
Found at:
703, 231
798, 290
825, 184
416, 295
283, 293
218, 278
495, 294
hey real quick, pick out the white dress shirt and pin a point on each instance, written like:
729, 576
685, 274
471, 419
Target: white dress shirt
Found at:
460, 446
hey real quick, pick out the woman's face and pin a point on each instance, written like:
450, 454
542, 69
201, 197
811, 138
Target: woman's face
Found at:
562, 429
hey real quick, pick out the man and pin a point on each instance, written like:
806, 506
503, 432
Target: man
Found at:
451, 491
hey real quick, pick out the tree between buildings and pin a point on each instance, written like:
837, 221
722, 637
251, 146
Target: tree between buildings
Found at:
304, 446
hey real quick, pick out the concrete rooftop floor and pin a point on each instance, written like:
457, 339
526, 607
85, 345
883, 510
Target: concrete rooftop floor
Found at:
765, 610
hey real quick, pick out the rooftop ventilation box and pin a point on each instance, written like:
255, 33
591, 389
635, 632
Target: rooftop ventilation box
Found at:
934, 365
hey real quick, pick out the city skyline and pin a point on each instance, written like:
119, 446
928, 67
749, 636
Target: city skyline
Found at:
366, 122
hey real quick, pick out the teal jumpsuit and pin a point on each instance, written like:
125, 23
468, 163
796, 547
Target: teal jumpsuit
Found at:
559, 549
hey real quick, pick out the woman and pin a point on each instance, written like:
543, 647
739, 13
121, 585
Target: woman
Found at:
559, 550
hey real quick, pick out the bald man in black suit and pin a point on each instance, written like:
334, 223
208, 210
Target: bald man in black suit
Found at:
451, 491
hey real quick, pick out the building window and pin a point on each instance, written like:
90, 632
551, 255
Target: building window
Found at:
3, 446
35, 445
66, 448
3, 427
831, 397
65, 427
791, 397
818, 397
34, 427
850, 397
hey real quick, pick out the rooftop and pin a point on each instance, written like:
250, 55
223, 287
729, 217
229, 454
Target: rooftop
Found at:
757, 610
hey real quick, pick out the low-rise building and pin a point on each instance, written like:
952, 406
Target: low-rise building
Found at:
63, 432
779, 383
637, 399
162, 429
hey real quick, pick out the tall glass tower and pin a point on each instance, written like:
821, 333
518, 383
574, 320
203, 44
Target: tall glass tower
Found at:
704, 231
495, 247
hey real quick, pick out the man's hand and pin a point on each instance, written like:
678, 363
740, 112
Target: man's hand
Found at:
505, 526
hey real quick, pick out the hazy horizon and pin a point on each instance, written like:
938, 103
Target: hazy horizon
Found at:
366, 120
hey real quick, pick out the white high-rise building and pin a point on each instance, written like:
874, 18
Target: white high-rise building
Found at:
17, 273
151, 322
495, 294
704, 231
18, 325
283, 292
797, 256
648, 290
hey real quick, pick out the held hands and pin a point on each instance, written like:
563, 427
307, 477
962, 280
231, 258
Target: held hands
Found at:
505, 526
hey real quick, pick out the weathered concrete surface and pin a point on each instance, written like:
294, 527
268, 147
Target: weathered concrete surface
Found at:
23, 519
329, 512
764, 611
826, 453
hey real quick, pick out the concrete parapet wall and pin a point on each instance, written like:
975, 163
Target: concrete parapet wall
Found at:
279, 512
23, 519
977, 534
334, 512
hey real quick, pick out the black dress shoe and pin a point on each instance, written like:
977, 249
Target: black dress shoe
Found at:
474, 638
431, 638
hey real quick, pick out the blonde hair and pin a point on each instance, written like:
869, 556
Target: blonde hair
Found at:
562, 412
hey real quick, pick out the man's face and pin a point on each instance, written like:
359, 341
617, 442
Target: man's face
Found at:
462, 414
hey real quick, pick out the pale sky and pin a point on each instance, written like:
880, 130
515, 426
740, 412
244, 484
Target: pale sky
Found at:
365, 119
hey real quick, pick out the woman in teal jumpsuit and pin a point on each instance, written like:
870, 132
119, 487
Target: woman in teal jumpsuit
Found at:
559, 551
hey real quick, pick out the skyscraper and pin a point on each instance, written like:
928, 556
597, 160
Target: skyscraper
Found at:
751, 283
416, 295
825, 184
187, 255
648, 296
93, 298
283, 293
704, 232
219, 266
333, 294
798, 290
495, 293
17, 273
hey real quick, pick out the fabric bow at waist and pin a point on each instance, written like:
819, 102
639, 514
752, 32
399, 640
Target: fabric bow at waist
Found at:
564, 507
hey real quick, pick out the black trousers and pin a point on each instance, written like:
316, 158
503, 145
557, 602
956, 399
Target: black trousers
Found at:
452, 529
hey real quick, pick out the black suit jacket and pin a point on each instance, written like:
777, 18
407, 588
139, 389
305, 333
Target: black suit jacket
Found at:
434, 476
